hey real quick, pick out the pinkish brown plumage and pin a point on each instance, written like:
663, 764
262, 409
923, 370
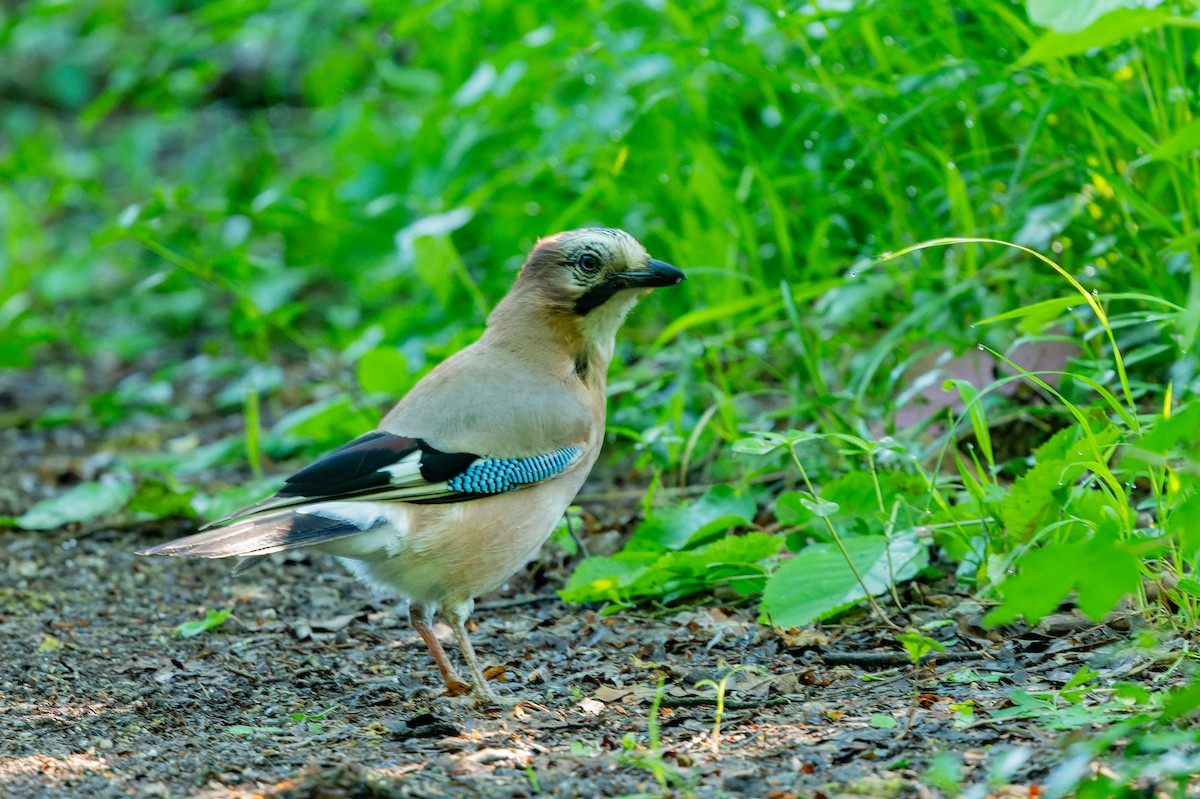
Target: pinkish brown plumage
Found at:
467, 476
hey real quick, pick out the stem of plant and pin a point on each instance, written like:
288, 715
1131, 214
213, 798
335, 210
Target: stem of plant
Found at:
837, 540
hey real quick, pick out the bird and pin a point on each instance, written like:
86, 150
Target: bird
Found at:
465, 478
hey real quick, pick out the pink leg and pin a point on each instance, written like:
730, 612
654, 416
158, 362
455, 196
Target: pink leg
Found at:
421, 618
457, 616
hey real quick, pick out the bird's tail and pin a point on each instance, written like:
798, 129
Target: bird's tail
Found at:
267, 533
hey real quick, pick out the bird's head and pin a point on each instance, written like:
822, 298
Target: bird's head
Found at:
594, 273
577, 287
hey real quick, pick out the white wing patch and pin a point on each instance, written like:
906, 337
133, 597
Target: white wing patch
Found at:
406, 471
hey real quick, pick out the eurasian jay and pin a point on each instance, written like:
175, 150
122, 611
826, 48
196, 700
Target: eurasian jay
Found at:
465, 479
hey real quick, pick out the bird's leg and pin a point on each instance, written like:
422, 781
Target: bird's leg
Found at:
421, 618
457, 616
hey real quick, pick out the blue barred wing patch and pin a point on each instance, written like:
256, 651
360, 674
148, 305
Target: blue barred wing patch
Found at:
497, 475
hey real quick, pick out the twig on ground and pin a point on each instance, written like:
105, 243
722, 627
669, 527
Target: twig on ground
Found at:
730, 704
895, 658
516, 602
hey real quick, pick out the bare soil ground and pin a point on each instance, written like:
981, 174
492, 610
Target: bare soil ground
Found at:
315, 688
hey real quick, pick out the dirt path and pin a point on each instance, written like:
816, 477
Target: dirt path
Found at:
314, 685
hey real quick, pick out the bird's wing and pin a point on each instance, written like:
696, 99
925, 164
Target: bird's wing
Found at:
381, 466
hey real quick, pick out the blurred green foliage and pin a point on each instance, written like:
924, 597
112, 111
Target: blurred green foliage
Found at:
317, 173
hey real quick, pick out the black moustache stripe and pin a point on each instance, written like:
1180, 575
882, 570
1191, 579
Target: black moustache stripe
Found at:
597, 295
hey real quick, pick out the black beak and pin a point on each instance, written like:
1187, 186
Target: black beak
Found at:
657, 274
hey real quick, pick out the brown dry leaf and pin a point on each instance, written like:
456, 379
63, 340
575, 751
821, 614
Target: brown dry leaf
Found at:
612, 693
333, 625
800, 638
456, 688
498, 673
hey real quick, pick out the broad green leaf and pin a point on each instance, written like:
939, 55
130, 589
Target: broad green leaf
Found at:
1169, 437
1122, 23
730, 550
82, 503
791, 510
679, 574
328, 422
1097, 508
1060, 462
186, 457
1184, 522
1100, 568
160, 498
601, 579
384, 370
851, 501
689, 523
435, 259
818, 583
1182, 701
667, 575
14, 351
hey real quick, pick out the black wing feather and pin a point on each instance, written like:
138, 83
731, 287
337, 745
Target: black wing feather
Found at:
355, 468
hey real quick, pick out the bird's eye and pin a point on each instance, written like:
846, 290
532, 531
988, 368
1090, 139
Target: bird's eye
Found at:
589, 263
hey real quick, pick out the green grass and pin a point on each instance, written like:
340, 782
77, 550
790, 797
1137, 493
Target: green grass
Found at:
858, 192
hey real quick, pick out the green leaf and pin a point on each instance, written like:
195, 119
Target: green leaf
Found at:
601, 579
790, 508
82, 503
327, 422
213, 618
245, 729
161, 498
1182, 701
1101, 568
436, 257
49, 644
818, 583
1181, 142
714, 312
1120, 24
821, 508
979, 424
1171, 437
232, 498
384, 370
733, 550
691, 523
918, 645
1060, 462
882, 722
1072, 16
668, 575
756, 446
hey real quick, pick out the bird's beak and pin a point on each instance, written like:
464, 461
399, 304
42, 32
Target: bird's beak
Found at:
656, 275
